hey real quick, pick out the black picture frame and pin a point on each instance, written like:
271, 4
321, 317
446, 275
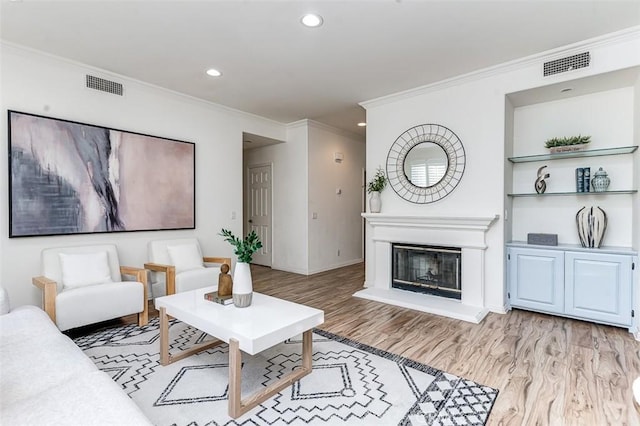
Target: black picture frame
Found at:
68, 177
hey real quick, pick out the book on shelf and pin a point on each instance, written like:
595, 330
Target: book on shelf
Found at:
586, 179
579, 179
223, 300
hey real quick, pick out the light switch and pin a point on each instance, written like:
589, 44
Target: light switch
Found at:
314, 215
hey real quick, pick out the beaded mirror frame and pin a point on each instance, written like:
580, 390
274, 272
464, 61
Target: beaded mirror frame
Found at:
439, 135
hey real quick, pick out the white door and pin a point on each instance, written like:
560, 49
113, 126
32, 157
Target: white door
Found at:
259, 211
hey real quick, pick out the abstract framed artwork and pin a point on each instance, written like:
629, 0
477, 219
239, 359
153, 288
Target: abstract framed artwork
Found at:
67, 178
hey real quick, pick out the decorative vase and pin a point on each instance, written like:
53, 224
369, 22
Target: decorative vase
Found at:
375, 203
601, 181
242, 285
592, 223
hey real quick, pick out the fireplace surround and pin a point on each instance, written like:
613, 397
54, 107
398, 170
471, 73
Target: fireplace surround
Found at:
466, 233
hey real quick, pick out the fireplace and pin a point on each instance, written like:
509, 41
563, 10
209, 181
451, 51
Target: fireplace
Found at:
468, 233
427, 269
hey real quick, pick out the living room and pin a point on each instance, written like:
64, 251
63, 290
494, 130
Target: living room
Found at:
478, 106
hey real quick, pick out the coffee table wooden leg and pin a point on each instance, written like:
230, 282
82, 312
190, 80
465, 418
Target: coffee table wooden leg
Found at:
307, 350
235, 376
239, 406
164, 337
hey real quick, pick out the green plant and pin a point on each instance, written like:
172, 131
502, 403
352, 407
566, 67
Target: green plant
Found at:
572, 140
244, 249
378, 182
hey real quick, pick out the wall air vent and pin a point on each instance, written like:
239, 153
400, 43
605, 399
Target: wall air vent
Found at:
581, 60
103, 85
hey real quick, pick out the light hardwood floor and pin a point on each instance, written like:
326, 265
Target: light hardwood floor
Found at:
549, 370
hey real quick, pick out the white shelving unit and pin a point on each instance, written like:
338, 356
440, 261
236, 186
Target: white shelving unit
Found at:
591, 284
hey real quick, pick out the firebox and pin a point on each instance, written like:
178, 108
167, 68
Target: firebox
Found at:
427, 269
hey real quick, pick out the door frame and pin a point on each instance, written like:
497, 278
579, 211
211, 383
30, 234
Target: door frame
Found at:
246, 201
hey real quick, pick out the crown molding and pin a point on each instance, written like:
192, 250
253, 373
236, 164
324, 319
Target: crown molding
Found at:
312, 123
628, 34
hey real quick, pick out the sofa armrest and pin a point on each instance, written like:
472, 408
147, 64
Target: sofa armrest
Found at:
49, 291
141, 276
220, 260
169, 271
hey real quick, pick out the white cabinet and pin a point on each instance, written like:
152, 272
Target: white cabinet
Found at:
593, 285
598, 287
537, 279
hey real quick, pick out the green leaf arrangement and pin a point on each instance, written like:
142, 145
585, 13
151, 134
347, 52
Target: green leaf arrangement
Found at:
244, 249
378, 182
572, 140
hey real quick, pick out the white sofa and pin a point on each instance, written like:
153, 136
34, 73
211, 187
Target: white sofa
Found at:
45, 379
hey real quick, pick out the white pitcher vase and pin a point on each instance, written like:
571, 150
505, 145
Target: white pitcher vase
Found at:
375, 203
242, 285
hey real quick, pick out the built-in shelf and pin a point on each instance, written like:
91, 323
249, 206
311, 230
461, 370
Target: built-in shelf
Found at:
534, 194
575, 154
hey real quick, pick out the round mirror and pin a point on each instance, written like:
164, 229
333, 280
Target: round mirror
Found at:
425, 164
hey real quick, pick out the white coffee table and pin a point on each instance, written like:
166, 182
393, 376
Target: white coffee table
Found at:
267, 322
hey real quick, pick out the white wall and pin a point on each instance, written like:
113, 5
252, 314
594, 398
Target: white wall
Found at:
290, 192
338, 226
608, 118
50, 86
473, 106
305, 179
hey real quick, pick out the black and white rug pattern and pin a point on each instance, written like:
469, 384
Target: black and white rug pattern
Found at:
351, 383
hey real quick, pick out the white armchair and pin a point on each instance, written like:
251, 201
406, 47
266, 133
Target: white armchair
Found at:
178, 265
83, 285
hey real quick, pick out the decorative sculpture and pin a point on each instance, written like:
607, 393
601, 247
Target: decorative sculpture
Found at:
592, 223
225, 282
540, 184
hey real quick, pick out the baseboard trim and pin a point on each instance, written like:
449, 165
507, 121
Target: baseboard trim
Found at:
336, 266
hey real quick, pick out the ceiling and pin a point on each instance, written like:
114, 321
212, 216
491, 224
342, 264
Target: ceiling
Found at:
274, 67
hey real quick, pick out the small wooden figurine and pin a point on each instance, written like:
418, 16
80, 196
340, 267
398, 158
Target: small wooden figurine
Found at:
225, 282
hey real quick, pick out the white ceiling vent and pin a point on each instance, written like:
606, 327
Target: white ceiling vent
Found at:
103, 85
581, 60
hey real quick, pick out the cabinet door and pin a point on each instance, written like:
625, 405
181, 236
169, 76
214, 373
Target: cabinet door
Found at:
598, 287
536, 279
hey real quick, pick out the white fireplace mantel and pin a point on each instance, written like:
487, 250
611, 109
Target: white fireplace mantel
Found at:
465, 232
457, 223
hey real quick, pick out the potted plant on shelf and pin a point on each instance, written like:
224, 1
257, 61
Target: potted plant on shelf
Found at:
567, 144
244, 249
375, 186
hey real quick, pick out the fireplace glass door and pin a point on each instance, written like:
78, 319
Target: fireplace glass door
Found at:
427, 269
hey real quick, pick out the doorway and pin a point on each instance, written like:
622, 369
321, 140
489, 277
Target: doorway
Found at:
259, 209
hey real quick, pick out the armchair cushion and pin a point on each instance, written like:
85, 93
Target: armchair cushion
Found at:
98, 303
52, 268
197, 278
4, 301
185, 257
83, 269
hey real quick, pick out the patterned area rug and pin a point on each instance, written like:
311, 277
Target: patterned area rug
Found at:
351, 383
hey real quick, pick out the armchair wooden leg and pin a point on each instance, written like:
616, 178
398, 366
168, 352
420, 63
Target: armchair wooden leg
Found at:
143, 317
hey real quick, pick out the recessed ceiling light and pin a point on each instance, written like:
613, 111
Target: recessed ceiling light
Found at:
214, 72
311, 20
566, 89
362, 124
